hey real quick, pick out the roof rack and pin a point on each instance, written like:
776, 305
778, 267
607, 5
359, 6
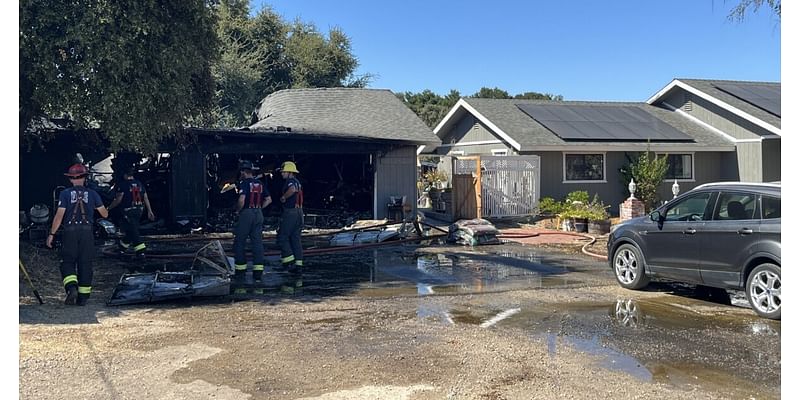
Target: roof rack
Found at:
769, 184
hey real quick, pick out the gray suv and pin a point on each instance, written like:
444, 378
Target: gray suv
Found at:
724, 235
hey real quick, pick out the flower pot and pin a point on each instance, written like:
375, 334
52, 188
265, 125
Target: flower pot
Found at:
580, 224
600, 227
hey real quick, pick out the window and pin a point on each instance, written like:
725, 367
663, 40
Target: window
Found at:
499, 152
692, 208
584, 167
771, 207
735, 206
457, 153
680, 167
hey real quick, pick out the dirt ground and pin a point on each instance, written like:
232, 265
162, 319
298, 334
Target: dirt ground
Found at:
350, 346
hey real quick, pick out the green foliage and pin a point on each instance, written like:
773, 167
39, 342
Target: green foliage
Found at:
431, 107
576, 205
138, 70
738, 12
648, 172
580, 196
550, 206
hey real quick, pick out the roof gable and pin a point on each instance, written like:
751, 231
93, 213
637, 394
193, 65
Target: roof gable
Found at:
713, 91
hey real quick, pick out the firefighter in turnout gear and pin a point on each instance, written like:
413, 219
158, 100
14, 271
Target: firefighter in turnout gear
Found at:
132, 197
252, 199
292, 218
76, 207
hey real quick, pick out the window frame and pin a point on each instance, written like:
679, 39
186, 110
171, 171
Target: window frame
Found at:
564, 155
689, 153
496, 152
755, 216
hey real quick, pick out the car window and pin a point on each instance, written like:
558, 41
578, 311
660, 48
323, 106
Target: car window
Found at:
692, 208
771, 207
735, 206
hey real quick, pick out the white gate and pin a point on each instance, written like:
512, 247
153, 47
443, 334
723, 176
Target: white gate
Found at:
509, 184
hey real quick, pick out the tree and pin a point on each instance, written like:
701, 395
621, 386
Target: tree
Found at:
494, 93
135, 70
648, 172
539, 96
740, 10
251, 62
429, 106
317, 61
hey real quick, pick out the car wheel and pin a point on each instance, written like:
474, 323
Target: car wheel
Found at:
629, 267
764, 290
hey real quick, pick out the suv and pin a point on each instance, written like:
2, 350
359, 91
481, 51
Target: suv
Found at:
725, 235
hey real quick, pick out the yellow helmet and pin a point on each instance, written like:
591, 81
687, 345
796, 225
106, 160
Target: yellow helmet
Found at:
289, 166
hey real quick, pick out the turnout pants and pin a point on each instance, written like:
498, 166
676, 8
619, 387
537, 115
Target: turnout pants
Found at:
289, 236
77, 252
250, 225
130, 224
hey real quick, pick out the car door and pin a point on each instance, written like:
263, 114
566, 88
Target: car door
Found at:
727, 238
671, 249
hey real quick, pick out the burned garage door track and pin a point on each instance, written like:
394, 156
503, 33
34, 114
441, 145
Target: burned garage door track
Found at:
405, 322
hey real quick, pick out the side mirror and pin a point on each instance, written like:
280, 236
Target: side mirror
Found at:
656, 216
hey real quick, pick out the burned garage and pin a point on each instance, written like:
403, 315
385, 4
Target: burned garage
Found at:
355, 149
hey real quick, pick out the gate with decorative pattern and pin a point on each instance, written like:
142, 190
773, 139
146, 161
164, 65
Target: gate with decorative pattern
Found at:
508, 185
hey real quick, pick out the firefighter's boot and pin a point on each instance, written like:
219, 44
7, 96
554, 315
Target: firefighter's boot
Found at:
72, 295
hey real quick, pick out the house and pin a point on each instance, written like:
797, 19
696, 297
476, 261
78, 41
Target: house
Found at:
582, 145
355, 149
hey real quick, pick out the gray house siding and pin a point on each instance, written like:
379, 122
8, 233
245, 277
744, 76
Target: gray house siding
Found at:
395, 175
469, 129
748, 156
771, 155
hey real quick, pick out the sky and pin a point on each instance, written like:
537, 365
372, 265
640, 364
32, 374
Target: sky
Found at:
583, 50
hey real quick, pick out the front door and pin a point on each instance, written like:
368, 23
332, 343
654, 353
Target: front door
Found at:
672, 249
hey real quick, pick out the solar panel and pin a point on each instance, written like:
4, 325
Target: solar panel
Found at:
762, 95
606, 122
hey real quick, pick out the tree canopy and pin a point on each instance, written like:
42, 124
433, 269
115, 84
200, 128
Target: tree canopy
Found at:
137, 70
432, 108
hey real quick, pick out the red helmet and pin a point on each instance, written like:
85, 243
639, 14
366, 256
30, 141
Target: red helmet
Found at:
77, 170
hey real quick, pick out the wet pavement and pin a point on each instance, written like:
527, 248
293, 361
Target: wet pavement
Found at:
662, 339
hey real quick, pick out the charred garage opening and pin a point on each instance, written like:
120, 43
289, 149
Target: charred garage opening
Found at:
356, 150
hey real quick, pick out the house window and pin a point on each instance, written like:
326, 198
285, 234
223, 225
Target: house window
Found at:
588, 167
499, 152
680, 167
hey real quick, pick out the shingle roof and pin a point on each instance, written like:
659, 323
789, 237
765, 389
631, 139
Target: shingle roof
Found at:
532, 135
342, 112
708, 87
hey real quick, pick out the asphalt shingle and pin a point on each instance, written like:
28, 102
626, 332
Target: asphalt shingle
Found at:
343, 112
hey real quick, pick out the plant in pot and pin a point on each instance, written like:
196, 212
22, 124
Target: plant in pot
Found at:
577, 216
599, 220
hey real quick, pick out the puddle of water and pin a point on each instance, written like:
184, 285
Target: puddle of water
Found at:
658, 340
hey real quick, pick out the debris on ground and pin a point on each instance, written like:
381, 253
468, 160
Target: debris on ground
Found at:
473, 232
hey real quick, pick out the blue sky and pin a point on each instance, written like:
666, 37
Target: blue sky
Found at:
583, 50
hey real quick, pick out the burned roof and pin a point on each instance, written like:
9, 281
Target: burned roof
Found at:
341, 112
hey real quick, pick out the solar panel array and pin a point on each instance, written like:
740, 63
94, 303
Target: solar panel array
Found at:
764, 96
602, 122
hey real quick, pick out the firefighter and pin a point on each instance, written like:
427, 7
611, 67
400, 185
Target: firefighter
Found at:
132, 197
76, 207
252, 199
292, 218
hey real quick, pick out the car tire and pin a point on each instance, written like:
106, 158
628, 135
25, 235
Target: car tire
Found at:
629, 267
763, 290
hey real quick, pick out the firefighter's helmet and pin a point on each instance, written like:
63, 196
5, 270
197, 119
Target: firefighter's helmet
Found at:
77, 170
289, 166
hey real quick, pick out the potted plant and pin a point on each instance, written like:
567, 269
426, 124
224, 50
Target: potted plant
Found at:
599, 220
